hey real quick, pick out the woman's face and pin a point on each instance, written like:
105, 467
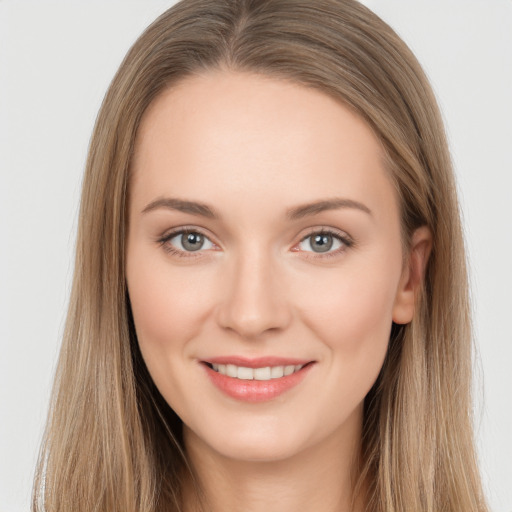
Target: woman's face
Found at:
264, 262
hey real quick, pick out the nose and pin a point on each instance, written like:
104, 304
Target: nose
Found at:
254, 299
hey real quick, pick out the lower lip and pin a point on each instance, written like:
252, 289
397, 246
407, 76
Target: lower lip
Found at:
256, 390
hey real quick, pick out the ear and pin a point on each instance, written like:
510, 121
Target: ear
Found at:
412, 276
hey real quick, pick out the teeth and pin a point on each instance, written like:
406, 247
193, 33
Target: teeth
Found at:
245, 373
276, 372
231, 370
288, 370
266, 373
262, 373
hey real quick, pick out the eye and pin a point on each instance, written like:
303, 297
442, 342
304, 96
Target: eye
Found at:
324, 242
186, 241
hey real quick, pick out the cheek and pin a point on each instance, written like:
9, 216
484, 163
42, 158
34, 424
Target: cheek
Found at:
167, 305
352, 316
168, 310
350, 306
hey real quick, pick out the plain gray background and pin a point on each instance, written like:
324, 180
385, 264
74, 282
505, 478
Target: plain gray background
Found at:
56, 60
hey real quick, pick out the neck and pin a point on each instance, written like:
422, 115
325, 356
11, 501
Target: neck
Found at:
320, 477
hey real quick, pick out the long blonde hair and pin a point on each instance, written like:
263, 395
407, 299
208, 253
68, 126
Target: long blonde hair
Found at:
112, 443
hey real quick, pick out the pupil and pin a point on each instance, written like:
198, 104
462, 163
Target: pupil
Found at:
192, 241
322, 243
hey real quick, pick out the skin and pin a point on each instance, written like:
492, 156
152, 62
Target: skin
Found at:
252, 148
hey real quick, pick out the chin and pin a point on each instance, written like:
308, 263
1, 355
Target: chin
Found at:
261, 450
258, 442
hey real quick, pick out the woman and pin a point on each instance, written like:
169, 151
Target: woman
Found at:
269, 306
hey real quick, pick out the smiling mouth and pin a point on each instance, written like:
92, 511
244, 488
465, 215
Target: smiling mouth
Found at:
262, 374
256, 380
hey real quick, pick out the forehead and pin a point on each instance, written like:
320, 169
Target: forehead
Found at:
254, 138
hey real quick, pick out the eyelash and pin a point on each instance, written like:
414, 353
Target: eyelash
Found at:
163, 241
346, 242
344, 239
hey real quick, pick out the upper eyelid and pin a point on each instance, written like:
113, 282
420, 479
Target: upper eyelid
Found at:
164, 239
328, 231
171, 233
343, 237
316, 230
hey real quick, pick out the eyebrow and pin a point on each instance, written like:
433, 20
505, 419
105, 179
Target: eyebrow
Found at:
192, 207
299, 212
295, 213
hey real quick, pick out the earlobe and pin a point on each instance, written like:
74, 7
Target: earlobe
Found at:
413, 275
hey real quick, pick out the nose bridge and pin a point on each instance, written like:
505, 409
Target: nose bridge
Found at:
254, 302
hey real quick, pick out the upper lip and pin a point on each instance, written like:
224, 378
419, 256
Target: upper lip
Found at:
258, 362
